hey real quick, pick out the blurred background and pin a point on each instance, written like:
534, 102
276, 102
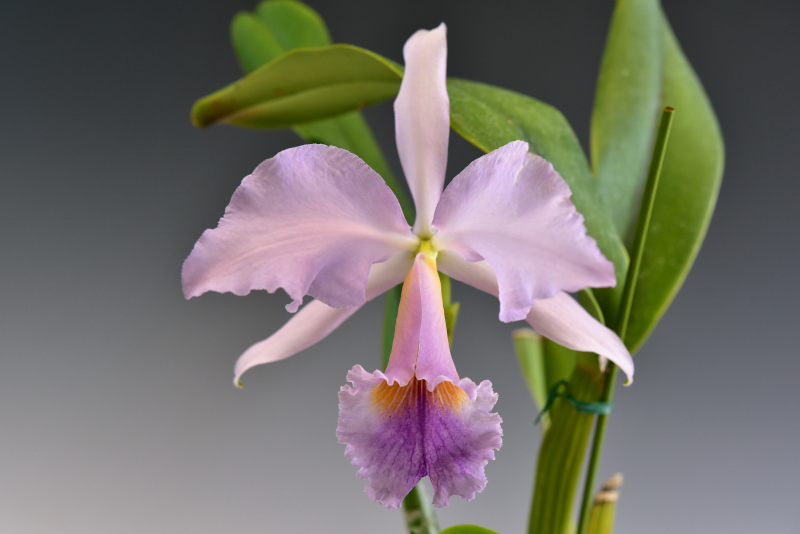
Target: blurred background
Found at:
116, 404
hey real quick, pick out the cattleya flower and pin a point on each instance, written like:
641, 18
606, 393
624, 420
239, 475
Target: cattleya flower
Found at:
316, 220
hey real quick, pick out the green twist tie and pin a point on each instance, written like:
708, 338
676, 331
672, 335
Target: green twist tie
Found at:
594, 408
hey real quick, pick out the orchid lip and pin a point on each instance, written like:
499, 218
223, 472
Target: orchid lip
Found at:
397, 434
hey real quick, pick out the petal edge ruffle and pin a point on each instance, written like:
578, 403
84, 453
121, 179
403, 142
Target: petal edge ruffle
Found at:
398, 434
312, 220
512, 209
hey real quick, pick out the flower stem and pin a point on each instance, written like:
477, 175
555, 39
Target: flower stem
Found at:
418, 512
621, 326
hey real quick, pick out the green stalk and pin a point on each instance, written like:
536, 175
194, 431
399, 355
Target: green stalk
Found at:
621, 326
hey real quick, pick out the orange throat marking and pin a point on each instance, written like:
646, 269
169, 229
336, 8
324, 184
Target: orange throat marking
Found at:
397, 399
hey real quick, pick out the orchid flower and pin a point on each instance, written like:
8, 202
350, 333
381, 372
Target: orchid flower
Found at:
316, 220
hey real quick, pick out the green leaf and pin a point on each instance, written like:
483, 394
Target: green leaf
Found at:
467, 529
294, 24
489, 117
277, 27
687, 193
254, 43
626, 108
300, 86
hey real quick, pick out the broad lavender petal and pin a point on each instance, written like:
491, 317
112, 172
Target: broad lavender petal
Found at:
560, 318
398, 434
512, 209
316, 320
420, 345
422, 121
312, 220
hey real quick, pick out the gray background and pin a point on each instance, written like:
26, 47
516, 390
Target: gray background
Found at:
116, 404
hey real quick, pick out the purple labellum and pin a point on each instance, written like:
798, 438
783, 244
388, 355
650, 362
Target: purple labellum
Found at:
398, 434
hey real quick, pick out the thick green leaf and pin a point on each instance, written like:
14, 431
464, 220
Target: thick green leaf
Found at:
254, 43
302, 85
282, 25
467, 529
626, 108
687, 192
277, 27
489, 117
294, 24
